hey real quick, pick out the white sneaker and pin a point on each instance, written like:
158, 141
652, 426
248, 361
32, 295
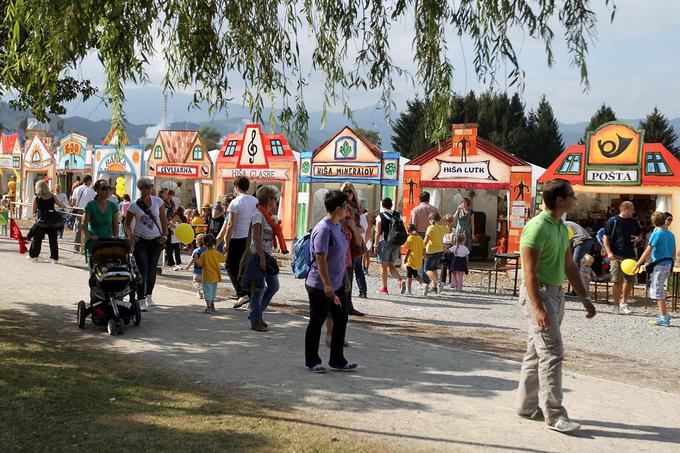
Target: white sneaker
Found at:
149, 301
440, 287
624, 308
242, 301
564, 425
177, 268
426, 290
142, 305
35, 260
53, 261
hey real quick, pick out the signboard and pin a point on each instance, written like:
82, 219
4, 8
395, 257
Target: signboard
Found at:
613, 155
112, 161
464, 170
71, 153
346, 171
612, 176
257, 174
37, 157
182, 171
6, 161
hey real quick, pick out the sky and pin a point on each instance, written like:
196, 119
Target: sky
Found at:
633, 66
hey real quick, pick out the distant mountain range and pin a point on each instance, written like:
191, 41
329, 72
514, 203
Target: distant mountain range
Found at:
144, 110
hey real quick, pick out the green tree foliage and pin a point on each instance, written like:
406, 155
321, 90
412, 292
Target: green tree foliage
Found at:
211, 136
409, 138
370, 135
658, 130
207, 45
603, 115
545, 142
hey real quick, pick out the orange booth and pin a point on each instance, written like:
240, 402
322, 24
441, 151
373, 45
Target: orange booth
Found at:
497, 182
266, 159
615, 165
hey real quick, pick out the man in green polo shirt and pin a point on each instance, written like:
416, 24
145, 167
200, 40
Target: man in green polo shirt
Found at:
546, 259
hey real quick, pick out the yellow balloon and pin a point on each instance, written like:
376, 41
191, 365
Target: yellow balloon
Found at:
570, 233
184, 233
628, 266
120, 180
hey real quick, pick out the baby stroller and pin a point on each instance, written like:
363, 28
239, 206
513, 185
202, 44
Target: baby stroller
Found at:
113, 277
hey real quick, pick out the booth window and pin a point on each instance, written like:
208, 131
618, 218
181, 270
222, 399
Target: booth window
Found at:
571, 165
231, 148
656, 165
277, 147
157, 152
198, 153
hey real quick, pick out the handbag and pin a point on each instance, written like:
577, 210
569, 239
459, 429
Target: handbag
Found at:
49, 219
148, 212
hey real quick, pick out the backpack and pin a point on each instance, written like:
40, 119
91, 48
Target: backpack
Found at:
397, 234
600, 233
302, 257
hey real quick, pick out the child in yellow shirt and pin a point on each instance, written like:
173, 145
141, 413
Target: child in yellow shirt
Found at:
415, 250
210, 261
434, 249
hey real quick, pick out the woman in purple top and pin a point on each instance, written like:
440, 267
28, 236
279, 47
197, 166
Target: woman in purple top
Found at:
326, 285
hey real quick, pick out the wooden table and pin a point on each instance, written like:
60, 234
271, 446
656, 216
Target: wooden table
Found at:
511, 256
675, 294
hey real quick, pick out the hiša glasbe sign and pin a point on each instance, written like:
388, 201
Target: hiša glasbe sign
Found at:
613, 155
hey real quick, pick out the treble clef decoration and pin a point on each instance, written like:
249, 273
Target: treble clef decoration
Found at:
252, 147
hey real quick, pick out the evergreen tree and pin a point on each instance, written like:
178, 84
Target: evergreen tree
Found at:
409, 138
370, 135
211, 137
545, 140
658, 130
603, 115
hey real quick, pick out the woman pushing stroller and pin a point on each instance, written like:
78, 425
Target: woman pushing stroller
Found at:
101, 216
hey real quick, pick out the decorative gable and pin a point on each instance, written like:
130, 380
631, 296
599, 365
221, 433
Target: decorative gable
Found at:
37, 155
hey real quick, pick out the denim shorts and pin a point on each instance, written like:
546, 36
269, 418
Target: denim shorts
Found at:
210, 291
657, 281
388, 253
432, 261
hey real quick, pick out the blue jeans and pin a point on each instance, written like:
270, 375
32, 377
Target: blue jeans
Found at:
581, 250
361, 277
259, 300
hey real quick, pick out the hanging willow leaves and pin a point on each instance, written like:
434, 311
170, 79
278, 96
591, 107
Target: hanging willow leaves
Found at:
207, 45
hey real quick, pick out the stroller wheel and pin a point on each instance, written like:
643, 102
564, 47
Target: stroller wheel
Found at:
111, 327
82, 314
136, 313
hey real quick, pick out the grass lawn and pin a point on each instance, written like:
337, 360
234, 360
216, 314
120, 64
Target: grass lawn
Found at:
56, 396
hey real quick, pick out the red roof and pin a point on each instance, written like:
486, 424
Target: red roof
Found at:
266, 143
177, 144
483, 145
8, 142
374, 149
672, 162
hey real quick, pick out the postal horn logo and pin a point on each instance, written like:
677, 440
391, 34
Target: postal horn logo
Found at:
610, 149
614, 144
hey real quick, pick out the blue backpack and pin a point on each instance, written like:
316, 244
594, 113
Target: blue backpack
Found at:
302, 257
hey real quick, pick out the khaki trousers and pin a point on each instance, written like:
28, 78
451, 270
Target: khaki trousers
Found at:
540, 380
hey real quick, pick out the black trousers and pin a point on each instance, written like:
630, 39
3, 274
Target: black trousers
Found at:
173, 254
36, 242
319, 307
147, 252
237, 247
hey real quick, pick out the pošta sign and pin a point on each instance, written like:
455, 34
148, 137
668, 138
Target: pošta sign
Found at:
464, 170
613, 176
346, 171
280, 174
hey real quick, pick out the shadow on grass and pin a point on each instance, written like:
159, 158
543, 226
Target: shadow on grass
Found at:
58, 396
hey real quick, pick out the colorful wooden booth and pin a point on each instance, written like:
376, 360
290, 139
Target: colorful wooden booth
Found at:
37, 164
179, 161
615, 165
111, 162
345, 157
266, 159
497, 183
10, 161
71, 160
